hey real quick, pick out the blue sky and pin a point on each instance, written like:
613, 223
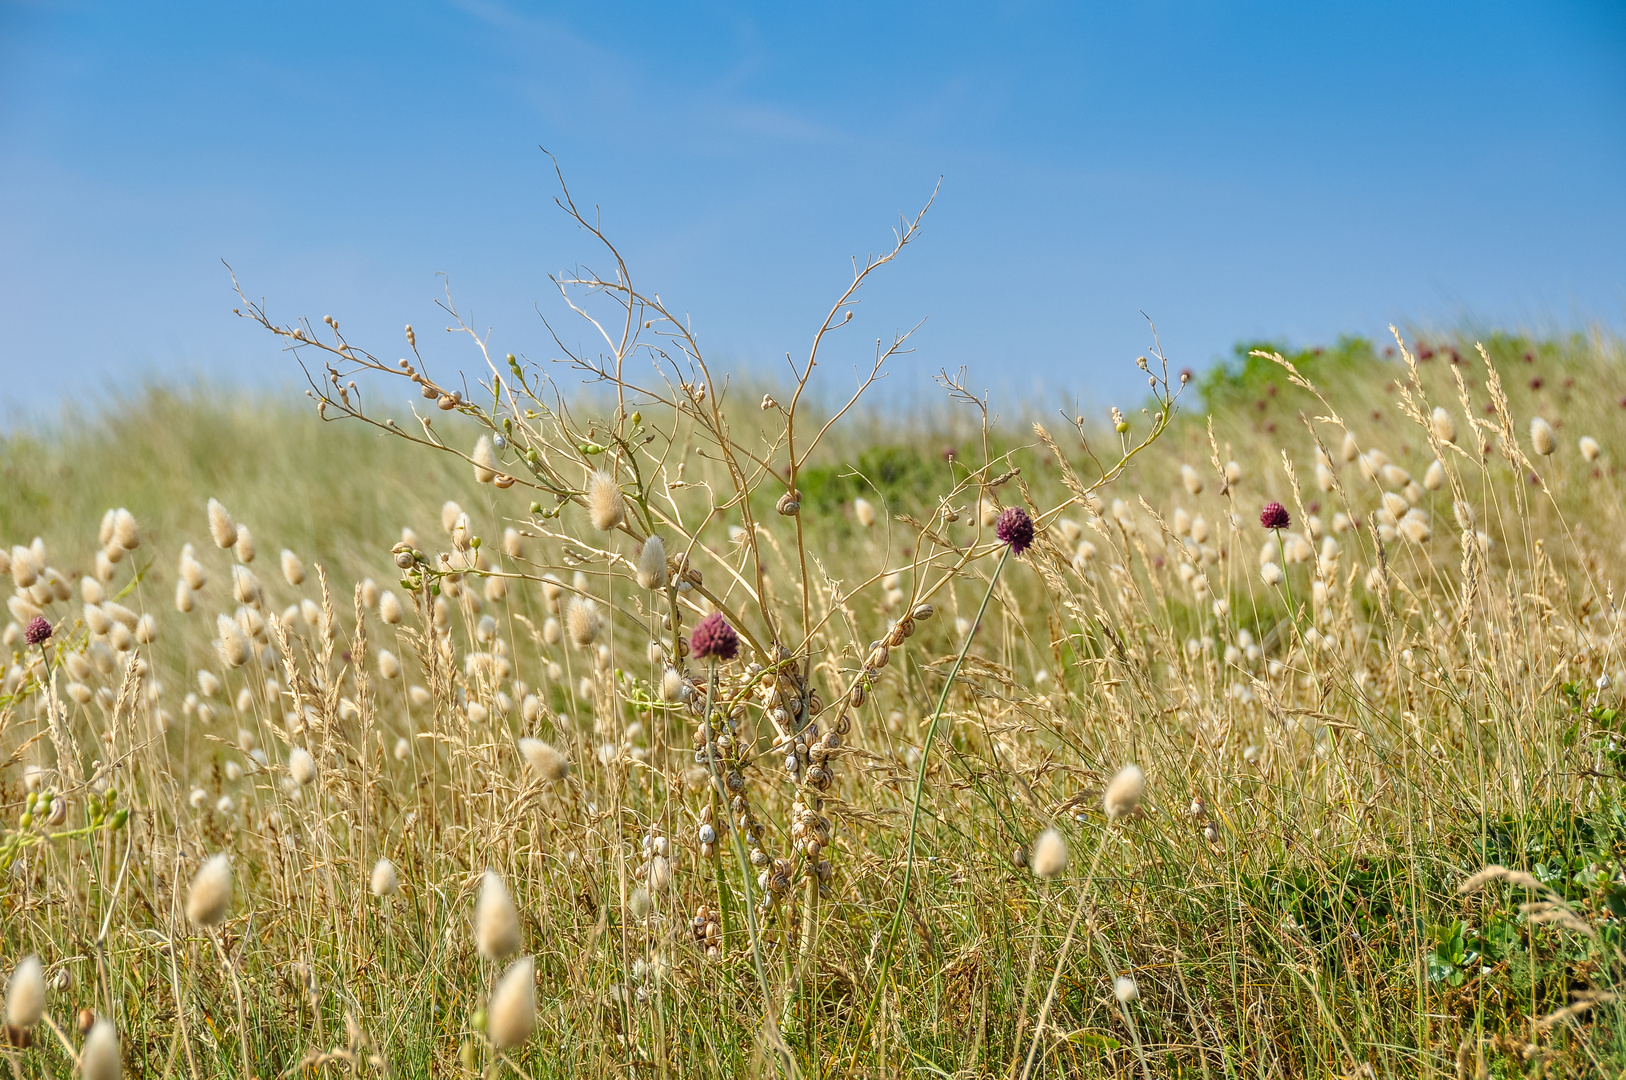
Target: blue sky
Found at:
1234, 170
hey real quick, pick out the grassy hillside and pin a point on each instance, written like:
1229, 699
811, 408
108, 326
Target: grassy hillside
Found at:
1340, 725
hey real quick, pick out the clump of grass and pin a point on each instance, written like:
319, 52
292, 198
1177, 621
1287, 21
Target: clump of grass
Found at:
729, 744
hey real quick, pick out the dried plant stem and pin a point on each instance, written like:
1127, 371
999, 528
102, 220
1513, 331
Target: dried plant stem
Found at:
920, 782
1061, 958
237, 995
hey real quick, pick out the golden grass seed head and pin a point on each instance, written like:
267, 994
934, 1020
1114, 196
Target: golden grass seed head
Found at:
1124, 793
419, 696
511, 1012
484, 458
652, 563
1589, 448
91, 590
1434, 478
513, 545
1049, 856
864, 512
209, 897
606, 506
583, 620
389, 608
496, 923
101, 1058
1192, 479
389, 666
551, 633
185, 598
125, 532
231, 644
293, 571
385, 880
1542, 438
222, 529
25, 994
544, 759
192, 572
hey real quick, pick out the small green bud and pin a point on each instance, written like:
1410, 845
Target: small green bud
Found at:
637, 417
26, 820
474, 542
1123, 427
591, 448
120, 816
478, 1020
511, 360
33, 797
536, 508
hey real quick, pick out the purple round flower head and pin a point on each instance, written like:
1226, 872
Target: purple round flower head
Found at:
38, 631
714, 638
1015, 528
1274, 516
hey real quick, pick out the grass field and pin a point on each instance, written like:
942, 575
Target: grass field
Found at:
1340, 723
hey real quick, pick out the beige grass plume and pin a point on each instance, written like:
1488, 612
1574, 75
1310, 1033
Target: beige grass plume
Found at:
496, 923
511, 1013
244, 549
449, 513
232, 645
1123, 795
293, 571
864, 511
25, 994
548, 762
652, 563
301, 766
221, 527
385, 881
389, 608
606, 506
1445, 428
583, 620
1589, 448
101, 1057
125, 532
210, 895
1049, 856
1542, 438
485, 460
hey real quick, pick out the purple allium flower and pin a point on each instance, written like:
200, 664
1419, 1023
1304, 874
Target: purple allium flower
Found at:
38, 631
1015, 528
714, 638
1274, 516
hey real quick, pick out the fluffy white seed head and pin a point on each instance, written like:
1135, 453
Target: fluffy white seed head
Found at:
511, 1013
221, 527
25, 994
864, 512
1272, 574
244, 548
185, 598
485, 460
1590, 448
301, 766
125, 533
293, 571
1444, 427
606, 506
101, 1057
449, 513
1123, 987
548, 762
1049, 857
210, 895
652, 564
389, 608
1434, 478
1123, 795
672, 685
232, 645
584, 621
496, 923
386, 882
389, 666
1542, 437
1192, 479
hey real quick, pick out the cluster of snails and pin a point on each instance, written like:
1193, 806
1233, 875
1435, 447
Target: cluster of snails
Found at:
880, 652
708, 929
